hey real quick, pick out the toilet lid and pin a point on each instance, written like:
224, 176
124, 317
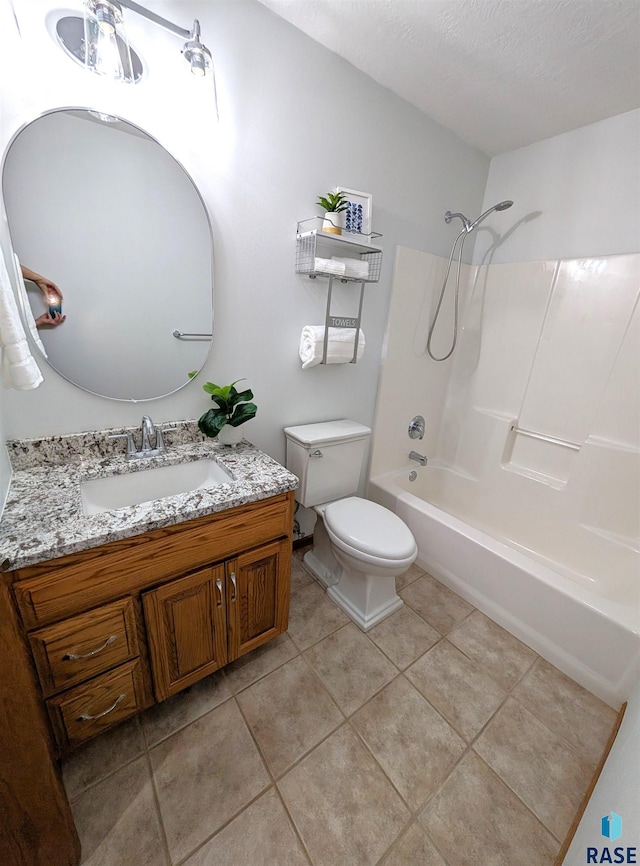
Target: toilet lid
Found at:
370, 528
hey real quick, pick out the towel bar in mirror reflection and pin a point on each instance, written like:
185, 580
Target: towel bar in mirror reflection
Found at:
125, 234
182, 335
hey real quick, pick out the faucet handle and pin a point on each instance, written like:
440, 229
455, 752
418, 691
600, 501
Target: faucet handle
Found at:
160, 445
131, 446
416, 427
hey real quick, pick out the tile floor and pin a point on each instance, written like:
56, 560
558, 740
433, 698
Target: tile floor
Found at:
437, 739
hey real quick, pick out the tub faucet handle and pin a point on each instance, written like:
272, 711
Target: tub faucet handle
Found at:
416, 427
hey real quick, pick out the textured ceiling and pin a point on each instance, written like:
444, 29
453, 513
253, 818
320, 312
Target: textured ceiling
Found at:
500, 73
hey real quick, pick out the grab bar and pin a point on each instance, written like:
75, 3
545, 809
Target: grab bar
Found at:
554, 441
180, 334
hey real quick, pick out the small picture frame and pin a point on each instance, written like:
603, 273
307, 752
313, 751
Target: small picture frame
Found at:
357, 217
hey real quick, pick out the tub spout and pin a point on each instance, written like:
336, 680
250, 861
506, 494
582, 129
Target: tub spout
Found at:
419, 458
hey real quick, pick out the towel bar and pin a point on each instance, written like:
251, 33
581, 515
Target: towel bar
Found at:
553, 439
179, 335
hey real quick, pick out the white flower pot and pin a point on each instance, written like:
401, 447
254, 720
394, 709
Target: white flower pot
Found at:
230, 435
333, 222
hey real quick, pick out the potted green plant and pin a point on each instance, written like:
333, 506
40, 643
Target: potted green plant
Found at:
233, 409
334, 204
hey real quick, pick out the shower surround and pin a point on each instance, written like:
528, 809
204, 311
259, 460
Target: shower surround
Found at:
533, 431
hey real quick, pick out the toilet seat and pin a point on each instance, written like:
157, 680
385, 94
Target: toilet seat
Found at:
369, 532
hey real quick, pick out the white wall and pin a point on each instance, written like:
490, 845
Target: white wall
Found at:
295, 121
574, 195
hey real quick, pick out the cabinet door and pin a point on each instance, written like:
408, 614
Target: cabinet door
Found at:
187, 629
258, 596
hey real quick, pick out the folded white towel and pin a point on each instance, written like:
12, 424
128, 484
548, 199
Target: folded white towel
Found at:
19, 369
358, 268
26, 306
329, 266
339, 346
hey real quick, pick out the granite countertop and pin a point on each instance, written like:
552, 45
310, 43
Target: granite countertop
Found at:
43, 516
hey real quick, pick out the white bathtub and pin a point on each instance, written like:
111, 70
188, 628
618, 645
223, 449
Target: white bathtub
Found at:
588, 629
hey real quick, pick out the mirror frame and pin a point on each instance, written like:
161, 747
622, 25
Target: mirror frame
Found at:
19, 295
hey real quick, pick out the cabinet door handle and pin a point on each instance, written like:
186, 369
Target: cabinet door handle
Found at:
232, 578
72, 657
85, 717
219, 588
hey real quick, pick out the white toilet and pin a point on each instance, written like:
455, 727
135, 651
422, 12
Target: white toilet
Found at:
359, 546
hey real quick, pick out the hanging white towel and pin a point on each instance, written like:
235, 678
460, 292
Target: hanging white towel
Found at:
19, 369
26, 306
339, 347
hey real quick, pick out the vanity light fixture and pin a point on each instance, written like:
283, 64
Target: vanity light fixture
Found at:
100, 43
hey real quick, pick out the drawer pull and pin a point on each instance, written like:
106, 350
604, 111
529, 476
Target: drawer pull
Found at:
232, 577
85, 717
72, 657
219, 588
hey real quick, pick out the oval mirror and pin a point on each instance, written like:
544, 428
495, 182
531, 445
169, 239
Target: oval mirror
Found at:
100, 208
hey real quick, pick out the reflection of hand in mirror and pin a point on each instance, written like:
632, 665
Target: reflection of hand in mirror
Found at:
49, 289
49, 320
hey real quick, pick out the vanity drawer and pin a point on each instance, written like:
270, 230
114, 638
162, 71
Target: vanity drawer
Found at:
86, 645
88, 709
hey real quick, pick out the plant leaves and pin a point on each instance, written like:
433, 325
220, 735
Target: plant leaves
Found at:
333, 202
244, 396
243, 412
212, 422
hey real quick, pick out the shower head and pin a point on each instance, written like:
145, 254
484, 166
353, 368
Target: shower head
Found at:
503, 205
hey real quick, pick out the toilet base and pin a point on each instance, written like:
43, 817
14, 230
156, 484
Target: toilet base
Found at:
365, 599
319, 569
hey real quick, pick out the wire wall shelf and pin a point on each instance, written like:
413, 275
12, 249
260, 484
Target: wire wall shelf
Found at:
322, 254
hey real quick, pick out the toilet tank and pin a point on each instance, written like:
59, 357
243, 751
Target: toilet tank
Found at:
327, 458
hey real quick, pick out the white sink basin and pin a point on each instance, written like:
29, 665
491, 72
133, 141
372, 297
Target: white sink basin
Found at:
120, 491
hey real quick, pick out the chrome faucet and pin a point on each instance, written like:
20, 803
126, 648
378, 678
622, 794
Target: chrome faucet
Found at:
149, 432
419, 458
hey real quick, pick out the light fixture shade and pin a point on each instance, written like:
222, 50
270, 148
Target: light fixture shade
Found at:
198, 57
106, 46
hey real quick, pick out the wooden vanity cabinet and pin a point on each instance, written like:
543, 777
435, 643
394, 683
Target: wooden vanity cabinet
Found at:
187, 629
115, 629
200, 622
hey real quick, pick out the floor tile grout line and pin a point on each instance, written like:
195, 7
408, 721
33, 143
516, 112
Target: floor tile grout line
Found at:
347, 715
402, 670
294, 825
267, 673
518, 797
533, 710
156, 800
403, 832
108, 775
151, 746
255, 741
222, 827
276, 778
